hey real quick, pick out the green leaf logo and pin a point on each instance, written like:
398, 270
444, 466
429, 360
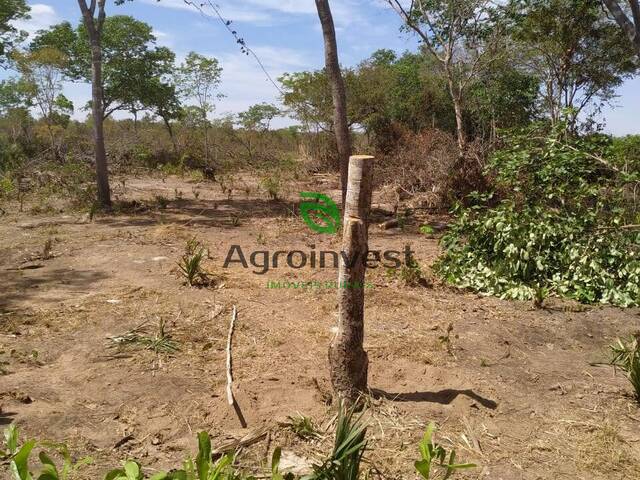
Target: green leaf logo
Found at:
323, 209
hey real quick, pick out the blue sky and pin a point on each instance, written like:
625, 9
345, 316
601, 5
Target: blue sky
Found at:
286, 36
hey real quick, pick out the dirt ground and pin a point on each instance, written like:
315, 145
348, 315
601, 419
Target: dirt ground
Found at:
512, 388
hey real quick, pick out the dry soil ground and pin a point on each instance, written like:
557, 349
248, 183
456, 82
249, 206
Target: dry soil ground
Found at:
512, 389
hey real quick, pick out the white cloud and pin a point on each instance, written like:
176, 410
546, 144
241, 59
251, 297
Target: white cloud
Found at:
163, 38
42, 17
245, 84
230, 11
287, 6
270, 12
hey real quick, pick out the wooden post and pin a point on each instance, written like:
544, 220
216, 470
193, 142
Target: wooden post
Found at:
347, 359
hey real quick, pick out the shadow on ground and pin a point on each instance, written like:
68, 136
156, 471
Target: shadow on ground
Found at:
444, 397
18, 286
205, 213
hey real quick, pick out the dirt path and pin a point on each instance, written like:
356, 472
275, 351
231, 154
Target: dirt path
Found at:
511, 387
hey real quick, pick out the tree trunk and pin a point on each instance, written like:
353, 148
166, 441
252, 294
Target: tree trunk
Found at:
167, 123
457, 108
630, 27
340, 122
102, 172
348, 361
97, 107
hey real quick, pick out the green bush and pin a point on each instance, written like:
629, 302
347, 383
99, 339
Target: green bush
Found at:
559, 222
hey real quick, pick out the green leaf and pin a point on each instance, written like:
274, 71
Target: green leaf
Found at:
20, 463
203, 459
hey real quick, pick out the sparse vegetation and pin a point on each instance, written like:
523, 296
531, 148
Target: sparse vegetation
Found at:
130, 180
625, 355
159, 342
343, 463
302, 426
434, 456
191, 264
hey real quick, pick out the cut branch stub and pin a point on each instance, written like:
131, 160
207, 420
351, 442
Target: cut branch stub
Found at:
347, 359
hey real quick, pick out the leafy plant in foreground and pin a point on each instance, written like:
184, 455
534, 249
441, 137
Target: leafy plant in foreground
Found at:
626, 357
202, 468
349, 446
434, 455
19, 458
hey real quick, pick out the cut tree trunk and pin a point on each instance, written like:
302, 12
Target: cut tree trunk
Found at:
348, 361
340, 121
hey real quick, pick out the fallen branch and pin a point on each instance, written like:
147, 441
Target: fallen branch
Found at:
230, 398
393, 223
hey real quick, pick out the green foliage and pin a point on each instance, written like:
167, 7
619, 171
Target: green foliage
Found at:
19, 455
575, 50
203, 468
198, 78
349, 446
626, 357
135, 71
302, 426
559, 224
7, 187
343, 463
258, 117
410, 273
272, 184
434, 455
160, 342
625, 152
10, 11
427, 230
191, 262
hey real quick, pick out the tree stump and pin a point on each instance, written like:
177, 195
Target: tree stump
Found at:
347, 359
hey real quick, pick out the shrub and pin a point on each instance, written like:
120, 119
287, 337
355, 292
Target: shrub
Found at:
626, 357
191, 264
434, 455
272, 184
558, 223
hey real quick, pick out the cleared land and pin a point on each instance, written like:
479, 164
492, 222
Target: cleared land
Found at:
511, 387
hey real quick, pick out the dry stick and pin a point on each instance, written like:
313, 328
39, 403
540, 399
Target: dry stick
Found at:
230, 398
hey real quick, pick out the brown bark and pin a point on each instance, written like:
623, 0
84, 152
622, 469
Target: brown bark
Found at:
340, 122
630, 26
462, 139
167, 124
348, 361
94, 29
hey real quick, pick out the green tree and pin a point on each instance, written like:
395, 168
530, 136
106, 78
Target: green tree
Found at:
42, 75
131, 63
503, 97
255, 122
464, 36
127, 71
10, 11
14, 94
258, 117
199, 77
628, 19
575, 51
161, 98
